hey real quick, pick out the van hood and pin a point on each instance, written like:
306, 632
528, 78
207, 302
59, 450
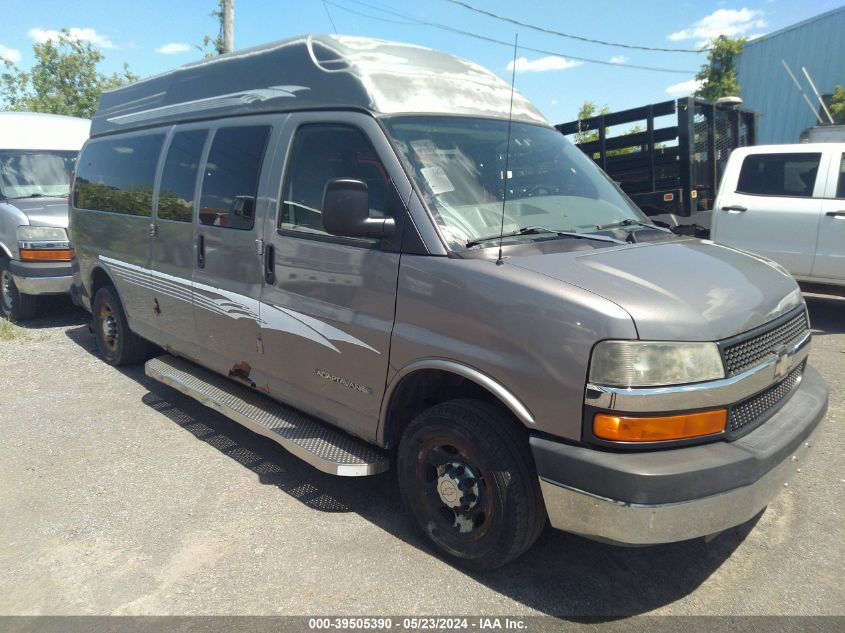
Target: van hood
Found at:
43, 211
690, 290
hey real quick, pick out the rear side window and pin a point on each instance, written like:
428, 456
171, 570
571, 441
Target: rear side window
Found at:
792, 175
117, 175
321, 153
840, 188
179, 178
230, 182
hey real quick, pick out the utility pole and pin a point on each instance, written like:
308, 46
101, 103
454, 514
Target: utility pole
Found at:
228, 7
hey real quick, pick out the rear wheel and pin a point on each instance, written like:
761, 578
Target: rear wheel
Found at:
14, 305
118, 344
467, 476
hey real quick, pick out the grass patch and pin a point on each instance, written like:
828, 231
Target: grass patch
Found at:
11, 332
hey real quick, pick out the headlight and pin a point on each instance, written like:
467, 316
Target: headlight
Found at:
41, 234
43, 243
650, 364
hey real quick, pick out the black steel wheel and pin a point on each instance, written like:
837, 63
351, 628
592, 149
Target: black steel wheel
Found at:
14, 305
468, 478
117, 343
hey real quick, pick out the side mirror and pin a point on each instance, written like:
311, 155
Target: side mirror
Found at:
346, 211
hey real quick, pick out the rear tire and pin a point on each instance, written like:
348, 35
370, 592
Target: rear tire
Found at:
467, 476
117, 343
15, 305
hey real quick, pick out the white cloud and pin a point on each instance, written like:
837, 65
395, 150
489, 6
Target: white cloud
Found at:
173, 48
87, 35
542, 64
618, 59
729, 22
685, 88
10, 54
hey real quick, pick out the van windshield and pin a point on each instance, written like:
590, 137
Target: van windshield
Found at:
459, 165
35, 173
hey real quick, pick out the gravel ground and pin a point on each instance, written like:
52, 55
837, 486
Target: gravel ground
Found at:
120, 496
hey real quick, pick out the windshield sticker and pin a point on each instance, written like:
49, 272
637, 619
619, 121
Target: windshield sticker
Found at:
437, 179
425, 150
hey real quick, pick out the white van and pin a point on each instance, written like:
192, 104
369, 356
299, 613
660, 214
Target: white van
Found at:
37, 155
787, 203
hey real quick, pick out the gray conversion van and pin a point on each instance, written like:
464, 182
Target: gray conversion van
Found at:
310, 230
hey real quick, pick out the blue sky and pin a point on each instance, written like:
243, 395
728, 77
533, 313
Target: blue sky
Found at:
153, 36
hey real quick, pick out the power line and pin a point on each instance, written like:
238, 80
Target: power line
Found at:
534, 27
492, 40
326, 7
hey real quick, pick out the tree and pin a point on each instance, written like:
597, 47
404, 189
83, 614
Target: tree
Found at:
719, 73
587, 111
837, 105
217, 43
64, 79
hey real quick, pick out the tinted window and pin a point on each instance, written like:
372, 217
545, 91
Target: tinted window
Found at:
779, 174
117, 175
230, 184
840, 188
320, 153
179, 178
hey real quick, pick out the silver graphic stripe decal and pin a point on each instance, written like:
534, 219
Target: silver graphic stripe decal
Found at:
232, 305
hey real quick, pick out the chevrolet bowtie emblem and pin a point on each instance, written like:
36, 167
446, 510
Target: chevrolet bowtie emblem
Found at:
782, 364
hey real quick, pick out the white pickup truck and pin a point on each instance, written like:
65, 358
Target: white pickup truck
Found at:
786, 203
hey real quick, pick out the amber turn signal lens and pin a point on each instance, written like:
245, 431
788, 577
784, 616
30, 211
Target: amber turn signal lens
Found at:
45, 255
671, 427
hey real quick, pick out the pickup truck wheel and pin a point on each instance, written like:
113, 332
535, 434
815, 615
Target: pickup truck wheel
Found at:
467, 476
118, 344
14, 305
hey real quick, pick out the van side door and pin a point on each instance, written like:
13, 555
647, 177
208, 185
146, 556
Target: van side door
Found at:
771, 206
830, 254
173, 239
227, 272
328, 302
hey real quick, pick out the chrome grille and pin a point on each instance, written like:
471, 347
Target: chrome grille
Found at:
750, 410
745, 354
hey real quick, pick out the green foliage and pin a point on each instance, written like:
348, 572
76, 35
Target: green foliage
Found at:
588, 110
837, 105
215, 42
101, 197
64, 79
719, 73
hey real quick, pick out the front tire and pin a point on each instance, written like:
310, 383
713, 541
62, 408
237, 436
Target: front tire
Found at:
117, 343
467, 476
15, 305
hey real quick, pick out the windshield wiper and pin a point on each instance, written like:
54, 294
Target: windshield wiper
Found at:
630, 222
534, 230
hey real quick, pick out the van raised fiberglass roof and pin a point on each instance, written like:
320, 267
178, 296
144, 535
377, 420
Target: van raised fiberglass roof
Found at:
314, 71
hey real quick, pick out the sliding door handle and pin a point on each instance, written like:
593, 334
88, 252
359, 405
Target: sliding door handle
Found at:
200, 251
735, 208
269, 264
836, 215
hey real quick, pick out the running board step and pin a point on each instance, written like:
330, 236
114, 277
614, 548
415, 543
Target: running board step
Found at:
325, 448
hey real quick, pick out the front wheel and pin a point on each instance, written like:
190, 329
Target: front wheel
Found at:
118, 344
14, 305
466, 473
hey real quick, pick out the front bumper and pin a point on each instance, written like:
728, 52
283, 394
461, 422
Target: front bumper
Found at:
42, 278
646, 498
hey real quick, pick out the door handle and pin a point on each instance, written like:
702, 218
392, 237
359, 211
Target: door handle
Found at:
735, 208
269, 264
201, 251
836, 215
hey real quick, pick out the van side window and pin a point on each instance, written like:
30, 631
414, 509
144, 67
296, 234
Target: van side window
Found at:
840, 187
791, 175
117, 175
179, 178
230, 182
319, 154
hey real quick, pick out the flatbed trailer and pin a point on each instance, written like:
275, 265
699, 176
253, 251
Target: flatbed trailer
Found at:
671, 172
